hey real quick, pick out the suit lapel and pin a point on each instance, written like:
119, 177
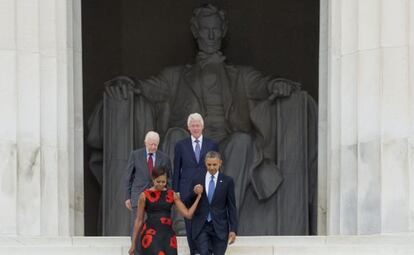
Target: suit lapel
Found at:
189, 145
226, 92
157, 159
192, 82
203, 148
219, 187
202, 181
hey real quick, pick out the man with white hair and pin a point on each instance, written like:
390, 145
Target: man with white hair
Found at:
138, 171
189, 154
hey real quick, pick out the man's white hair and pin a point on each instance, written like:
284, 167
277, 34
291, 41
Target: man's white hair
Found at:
152, 135
195, 117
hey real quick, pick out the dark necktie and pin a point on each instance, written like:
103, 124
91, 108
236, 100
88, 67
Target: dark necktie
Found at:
150, 163
197, 150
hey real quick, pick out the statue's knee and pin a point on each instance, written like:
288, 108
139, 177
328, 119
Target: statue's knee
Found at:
242, 138
176, 131
175, 134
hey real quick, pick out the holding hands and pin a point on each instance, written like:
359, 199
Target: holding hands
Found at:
198, 189
188, 212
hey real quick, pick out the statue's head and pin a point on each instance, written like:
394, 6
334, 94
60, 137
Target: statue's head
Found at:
209, 26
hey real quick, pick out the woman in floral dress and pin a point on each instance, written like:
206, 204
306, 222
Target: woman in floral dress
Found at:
157, 235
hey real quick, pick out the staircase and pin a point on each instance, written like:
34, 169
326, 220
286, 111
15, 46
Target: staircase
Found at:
260, 245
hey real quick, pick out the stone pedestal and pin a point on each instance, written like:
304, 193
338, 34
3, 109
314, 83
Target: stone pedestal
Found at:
41, 136
366, 174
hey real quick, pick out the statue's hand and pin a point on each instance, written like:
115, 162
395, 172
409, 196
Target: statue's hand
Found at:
282, 88
119, 87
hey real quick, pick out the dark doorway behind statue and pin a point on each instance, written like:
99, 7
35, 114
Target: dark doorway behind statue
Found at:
140, 38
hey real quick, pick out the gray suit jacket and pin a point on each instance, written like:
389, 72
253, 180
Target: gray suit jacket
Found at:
137, 177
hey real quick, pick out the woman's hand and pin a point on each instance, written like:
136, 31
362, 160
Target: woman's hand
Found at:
131, 250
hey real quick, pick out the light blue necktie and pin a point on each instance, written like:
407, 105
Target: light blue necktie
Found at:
197, 150
211, 188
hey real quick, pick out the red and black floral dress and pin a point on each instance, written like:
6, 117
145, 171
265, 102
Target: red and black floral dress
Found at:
157, 235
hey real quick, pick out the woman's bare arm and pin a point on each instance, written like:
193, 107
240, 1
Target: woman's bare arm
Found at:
138, 222
187, 213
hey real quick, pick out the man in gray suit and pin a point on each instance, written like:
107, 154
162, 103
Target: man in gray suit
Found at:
138, 175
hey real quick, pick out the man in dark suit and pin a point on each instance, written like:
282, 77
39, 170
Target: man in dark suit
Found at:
189, 156
214, 223
138, 171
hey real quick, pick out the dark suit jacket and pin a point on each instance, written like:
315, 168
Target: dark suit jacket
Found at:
185, 163
137, 177
222, 208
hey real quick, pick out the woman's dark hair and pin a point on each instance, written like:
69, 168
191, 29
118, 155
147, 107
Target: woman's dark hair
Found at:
157, 171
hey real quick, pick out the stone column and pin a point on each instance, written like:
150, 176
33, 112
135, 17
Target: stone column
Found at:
367, 117
41, 136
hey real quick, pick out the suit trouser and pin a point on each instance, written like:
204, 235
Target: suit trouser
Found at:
138, 243
208, 243
191, 243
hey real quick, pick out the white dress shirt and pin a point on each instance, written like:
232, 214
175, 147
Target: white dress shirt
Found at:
194, 143
207, 181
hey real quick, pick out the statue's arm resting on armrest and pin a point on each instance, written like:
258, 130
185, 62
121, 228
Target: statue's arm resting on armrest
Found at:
261, 87
155, 89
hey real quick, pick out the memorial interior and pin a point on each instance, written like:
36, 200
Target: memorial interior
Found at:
140, 38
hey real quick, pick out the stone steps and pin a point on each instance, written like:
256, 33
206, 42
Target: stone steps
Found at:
261, 245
